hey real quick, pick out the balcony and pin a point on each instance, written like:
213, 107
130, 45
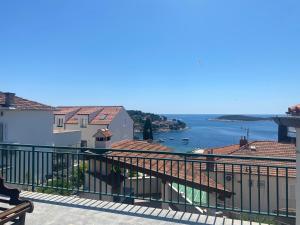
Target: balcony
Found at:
74, 210
207, 188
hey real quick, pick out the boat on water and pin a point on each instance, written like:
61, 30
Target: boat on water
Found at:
185, 139
171, 138
161, 140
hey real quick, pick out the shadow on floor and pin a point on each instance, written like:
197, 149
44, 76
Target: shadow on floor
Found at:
125, 209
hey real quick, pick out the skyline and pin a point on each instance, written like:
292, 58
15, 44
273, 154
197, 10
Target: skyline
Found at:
187, 57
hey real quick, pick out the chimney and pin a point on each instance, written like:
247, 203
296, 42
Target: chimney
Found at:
243, 141
283, 133
210, 165
9, 99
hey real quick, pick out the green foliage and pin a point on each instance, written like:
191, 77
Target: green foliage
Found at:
258, 218
159, 122
60, 185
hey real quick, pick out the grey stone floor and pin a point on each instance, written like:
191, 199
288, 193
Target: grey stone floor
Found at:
55, 209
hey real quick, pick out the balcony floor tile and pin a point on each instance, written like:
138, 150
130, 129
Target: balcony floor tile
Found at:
55, 209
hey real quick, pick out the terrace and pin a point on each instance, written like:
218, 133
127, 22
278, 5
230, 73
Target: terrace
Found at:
133, 186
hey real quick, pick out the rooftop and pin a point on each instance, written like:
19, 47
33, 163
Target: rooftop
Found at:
103, 132
16, 102
98, 115
260, 149
74, 210
155, 163
139, 145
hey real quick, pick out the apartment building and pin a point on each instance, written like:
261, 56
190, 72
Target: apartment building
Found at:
24, 121
100, 126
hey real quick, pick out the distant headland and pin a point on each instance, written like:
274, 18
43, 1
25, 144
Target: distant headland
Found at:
233, 118
159, 123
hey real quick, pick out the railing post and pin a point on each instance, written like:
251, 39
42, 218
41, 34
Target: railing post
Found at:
33, 168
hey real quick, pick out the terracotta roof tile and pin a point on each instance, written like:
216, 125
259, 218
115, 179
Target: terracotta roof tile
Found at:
259, 149
103, 132
25, 104
65, 110
102, 115
169, 166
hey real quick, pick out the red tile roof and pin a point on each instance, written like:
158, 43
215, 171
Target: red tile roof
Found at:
139, 145
222, 150
25, 104
65, 110
106, 115
294, 109
168, 166
259, 149
102, 115
103, 132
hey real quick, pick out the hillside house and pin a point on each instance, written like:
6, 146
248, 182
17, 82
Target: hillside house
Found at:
100, 126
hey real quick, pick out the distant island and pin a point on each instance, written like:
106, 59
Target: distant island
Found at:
159, 123
241, 118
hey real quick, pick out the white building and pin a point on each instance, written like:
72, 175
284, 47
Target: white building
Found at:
100, 126
253, 183
23, 121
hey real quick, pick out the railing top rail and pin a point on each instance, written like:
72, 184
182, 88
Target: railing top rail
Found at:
185, 155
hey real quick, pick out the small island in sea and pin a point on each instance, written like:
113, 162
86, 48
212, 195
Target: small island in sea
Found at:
159, 123
241, 118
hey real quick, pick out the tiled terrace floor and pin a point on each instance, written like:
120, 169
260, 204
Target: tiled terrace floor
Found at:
55, 209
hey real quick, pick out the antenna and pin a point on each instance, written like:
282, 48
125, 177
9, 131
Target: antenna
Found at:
247, 132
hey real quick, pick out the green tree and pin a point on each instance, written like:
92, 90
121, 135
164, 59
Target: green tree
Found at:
147, 132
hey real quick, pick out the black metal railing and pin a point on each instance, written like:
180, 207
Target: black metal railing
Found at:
239, 184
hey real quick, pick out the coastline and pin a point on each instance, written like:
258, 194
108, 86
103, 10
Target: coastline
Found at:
224, 120
163, 130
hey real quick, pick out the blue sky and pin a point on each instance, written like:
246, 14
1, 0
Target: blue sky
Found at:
164, 56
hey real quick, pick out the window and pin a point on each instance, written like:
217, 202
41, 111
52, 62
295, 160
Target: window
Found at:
83, 122
60, 122
102, 117
99, 139
108, 138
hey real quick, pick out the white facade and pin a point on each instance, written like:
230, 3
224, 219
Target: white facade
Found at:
67, 138
33, 127
121, 127
26, 127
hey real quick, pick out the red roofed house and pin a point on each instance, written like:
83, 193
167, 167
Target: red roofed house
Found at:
254, 175
100, 126
24, 121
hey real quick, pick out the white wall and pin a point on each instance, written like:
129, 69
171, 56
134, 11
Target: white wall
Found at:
121, 127
28, 127
67, 138
138, 187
